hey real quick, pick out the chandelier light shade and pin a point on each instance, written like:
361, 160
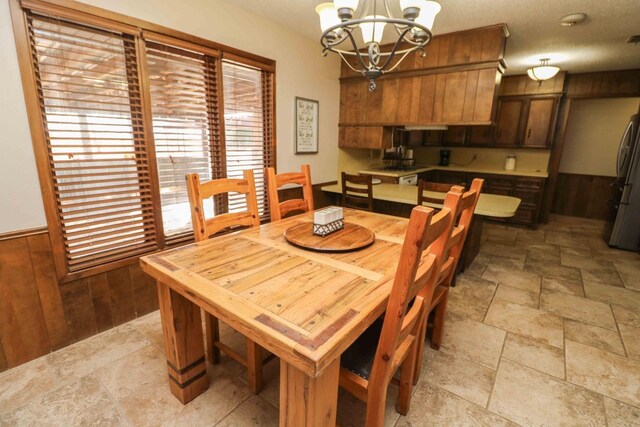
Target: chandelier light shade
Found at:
339, 23
542, 72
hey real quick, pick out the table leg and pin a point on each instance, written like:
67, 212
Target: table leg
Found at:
183, 343
307, 401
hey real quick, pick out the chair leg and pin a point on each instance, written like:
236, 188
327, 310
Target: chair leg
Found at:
419, 351
254, 366
213, 335
407, 377
438, 322
375, 410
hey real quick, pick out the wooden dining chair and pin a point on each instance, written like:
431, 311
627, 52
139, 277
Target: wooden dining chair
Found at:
392, 342
274, 181
432, 186
462, 223
203, 229
357, 191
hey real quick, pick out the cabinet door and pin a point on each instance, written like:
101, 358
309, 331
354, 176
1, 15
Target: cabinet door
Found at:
539, 122
458, 178
508, 122
376, 137
480, 135
455, 135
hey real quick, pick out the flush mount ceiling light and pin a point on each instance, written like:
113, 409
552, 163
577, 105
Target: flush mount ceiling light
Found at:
573, 19
542, 72
338, 25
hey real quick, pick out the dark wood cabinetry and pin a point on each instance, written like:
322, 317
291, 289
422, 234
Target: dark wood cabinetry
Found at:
375, 137
480, 135
528, 189
455, 135
526, 121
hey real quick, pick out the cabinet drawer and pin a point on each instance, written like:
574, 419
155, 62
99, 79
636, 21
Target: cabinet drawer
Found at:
534, 183
506, 182
452, 178
501, 191
528, 197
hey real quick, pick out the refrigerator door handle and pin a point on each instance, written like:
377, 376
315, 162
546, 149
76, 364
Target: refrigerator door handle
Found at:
623, 147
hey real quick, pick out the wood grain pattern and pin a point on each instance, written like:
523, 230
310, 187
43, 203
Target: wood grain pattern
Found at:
352, 237
78, 309
523, 85
585, 196
145, 292
121, 295
3, 359
101, 298
49, 294
24, 333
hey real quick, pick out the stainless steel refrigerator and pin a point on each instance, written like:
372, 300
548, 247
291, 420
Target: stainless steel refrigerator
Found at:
626, 229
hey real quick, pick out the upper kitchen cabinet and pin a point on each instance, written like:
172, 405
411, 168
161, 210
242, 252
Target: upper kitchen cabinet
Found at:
373, 137
526, 121
456, 83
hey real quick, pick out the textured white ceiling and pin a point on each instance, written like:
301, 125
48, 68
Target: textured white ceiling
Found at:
596, 45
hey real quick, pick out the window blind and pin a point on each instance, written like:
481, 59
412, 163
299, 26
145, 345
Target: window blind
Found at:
89, 95
184, 105
248, 124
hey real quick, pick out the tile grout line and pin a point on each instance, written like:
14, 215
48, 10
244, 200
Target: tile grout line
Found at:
495, 379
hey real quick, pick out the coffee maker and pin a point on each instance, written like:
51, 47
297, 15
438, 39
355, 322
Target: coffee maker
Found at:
444, 157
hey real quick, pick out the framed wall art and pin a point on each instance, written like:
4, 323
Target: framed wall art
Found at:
307, 113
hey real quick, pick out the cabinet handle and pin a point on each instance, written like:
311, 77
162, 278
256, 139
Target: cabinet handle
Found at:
529, 133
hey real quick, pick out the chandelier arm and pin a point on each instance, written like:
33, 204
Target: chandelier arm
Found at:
355, 49
347, 62
397, 63
395, 48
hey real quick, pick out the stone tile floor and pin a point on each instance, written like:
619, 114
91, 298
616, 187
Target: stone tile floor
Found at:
543, 329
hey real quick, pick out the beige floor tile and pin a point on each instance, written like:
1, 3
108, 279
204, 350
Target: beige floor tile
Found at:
86, 356
612, 295
151, 327
631, 338
620, 414
565, 239
353, 412
458, 375
594, 336
629, 273
473, 340
604, 372
584, 252
433, 406
529, 397
26, 382
534, 354
502, 236
511, 263
626, 315
471, 297
478, 265
609, 254
578, 308
530, 237
539, 325
271, 379
507, 251
571, 257
604, 276
547, 268
563, 285
252, 412
543, 255
511, 294
515, 278
82, 403
139, 383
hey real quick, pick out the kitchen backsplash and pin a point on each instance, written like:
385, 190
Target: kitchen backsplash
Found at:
354, 160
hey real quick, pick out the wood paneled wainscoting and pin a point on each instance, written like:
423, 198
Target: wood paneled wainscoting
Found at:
38, 315
585, 196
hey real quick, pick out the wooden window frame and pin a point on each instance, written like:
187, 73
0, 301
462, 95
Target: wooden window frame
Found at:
141, 30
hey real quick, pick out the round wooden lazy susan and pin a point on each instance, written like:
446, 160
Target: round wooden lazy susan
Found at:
352, 237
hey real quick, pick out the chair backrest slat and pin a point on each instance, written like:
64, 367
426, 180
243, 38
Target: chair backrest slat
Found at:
357, 191
203, 227
274, 181
432, 186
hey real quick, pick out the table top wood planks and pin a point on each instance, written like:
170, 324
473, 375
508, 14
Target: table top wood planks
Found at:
306, 307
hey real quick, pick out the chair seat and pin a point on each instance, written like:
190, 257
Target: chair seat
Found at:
358, 358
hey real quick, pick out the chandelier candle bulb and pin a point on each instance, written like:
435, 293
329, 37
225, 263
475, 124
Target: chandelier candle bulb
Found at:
372, 31
328, 15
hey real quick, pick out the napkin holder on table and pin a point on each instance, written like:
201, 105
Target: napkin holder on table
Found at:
328, 220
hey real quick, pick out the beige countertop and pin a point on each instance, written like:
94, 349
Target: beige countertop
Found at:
426, 168
491, 205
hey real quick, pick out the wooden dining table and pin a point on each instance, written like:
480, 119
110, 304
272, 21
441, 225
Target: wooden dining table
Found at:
305, 307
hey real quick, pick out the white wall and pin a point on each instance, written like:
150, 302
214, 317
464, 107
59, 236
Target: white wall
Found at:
300, 71
594, 131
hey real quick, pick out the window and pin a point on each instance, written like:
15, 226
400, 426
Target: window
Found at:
125, 113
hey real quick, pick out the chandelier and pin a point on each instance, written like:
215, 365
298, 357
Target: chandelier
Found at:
338, 23
542, 72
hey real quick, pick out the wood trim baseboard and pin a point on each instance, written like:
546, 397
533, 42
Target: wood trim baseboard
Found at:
17, 234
